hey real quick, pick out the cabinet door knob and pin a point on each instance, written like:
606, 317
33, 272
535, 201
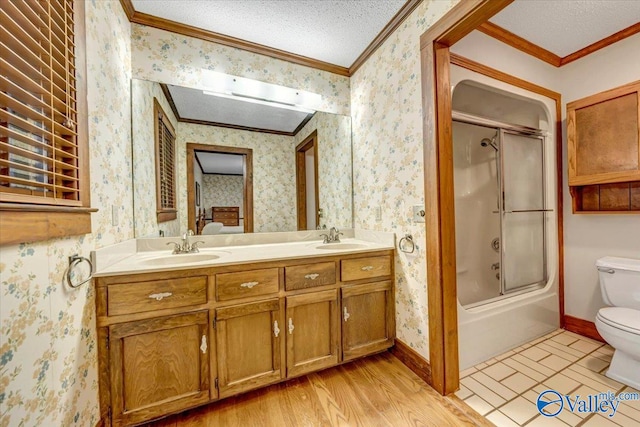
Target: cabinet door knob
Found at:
291, 327
276, 330
249, 284
345, 314
203, 344
160, 296
367, 268
312, 276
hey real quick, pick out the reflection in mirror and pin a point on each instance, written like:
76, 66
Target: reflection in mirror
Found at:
283, 187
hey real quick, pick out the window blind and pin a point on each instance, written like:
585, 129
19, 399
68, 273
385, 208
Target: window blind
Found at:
39, 161
165, 165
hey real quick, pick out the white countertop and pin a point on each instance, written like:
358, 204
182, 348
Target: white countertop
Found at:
147, 261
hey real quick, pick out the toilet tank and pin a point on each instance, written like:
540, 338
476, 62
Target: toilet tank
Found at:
620, 281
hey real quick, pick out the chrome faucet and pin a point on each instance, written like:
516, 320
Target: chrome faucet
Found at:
333, 236
185, 247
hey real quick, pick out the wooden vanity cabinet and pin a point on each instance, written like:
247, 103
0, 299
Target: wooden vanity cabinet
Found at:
158, 366
169, 341
367, 319
249, 345
603, 138
313, 332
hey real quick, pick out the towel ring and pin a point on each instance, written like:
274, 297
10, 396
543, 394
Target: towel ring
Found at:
406, 244
74, 261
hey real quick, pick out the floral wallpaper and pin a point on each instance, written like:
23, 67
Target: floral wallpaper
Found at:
48, 360
166, 57
274, 182
144, 154
387, 159
222, 190
334, 167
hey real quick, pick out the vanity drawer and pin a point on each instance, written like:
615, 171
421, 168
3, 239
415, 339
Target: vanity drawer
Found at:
128, 298
245, 284
309, 275
365, 268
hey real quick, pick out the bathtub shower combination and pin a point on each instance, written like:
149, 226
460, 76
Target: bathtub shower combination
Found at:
506, 230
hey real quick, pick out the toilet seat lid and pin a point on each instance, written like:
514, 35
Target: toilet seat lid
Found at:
626, 319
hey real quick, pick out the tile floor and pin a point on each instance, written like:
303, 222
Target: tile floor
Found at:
505, 389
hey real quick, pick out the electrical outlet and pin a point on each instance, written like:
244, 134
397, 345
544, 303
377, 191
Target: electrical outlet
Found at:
378, 213
114, 215
418, 213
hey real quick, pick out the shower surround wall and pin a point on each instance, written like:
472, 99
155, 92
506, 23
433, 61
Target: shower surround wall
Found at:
388, 163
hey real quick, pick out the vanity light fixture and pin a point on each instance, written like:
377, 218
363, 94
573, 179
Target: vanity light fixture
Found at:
250, 90
259, 101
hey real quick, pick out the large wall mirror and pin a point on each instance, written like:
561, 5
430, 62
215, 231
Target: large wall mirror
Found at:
250, 166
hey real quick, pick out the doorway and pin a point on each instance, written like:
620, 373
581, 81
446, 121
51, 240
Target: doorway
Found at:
195, 202
307, 183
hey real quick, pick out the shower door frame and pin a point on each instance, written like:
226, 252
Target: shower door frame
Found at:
443, 373
503, 128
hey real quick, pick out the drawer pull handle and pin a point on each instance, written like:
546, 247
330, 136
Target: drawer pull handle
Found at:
312, 276
249, 285
367, 268
203, 345
291, 327
160, 296
346, 314
276, 330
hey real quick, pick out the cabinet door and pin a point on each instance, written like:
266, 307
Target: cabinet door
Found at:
603, 137
368, 319
158, 366
249, 346
312, 332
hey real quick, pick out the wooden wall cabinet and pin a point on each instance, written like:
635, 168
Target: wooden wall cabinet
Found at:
603, 136
169, 341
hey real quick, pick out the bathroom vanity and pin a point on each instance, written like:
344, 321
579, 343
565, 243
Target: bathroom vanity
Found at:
173, 337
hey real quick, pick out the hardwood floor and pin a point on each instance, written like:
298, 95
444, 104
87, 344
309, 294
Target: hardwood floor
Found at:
375, 391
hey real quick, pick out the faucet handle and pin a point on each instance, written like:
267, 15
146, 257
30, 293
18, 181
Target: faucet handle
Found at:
336, 237
325, 238
194, 246
176, 247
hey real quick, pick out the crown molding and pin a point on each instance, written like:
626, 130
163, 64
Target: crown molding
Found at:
607, 41
383, 35
519, 43
190, 31
128, 8
542, 54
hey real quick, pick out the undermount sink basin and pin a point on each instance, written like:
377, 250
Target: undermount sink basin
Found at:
181, 259
342, 246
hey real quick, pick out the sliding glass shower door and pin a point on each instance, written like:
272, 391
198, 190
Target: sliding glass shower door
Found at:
523, 211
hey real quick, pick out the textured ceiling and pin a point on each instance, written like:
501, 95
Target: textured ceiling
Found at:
566, 26
193, 104
332, 31
220, 163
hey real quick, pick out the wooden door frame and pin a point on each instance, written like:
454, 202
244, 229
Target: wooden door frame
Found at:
438, 183
438, 178
309, 142
247, 184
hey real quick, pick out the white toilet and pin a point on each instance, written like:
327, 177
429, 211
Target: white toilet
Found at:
619, 325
